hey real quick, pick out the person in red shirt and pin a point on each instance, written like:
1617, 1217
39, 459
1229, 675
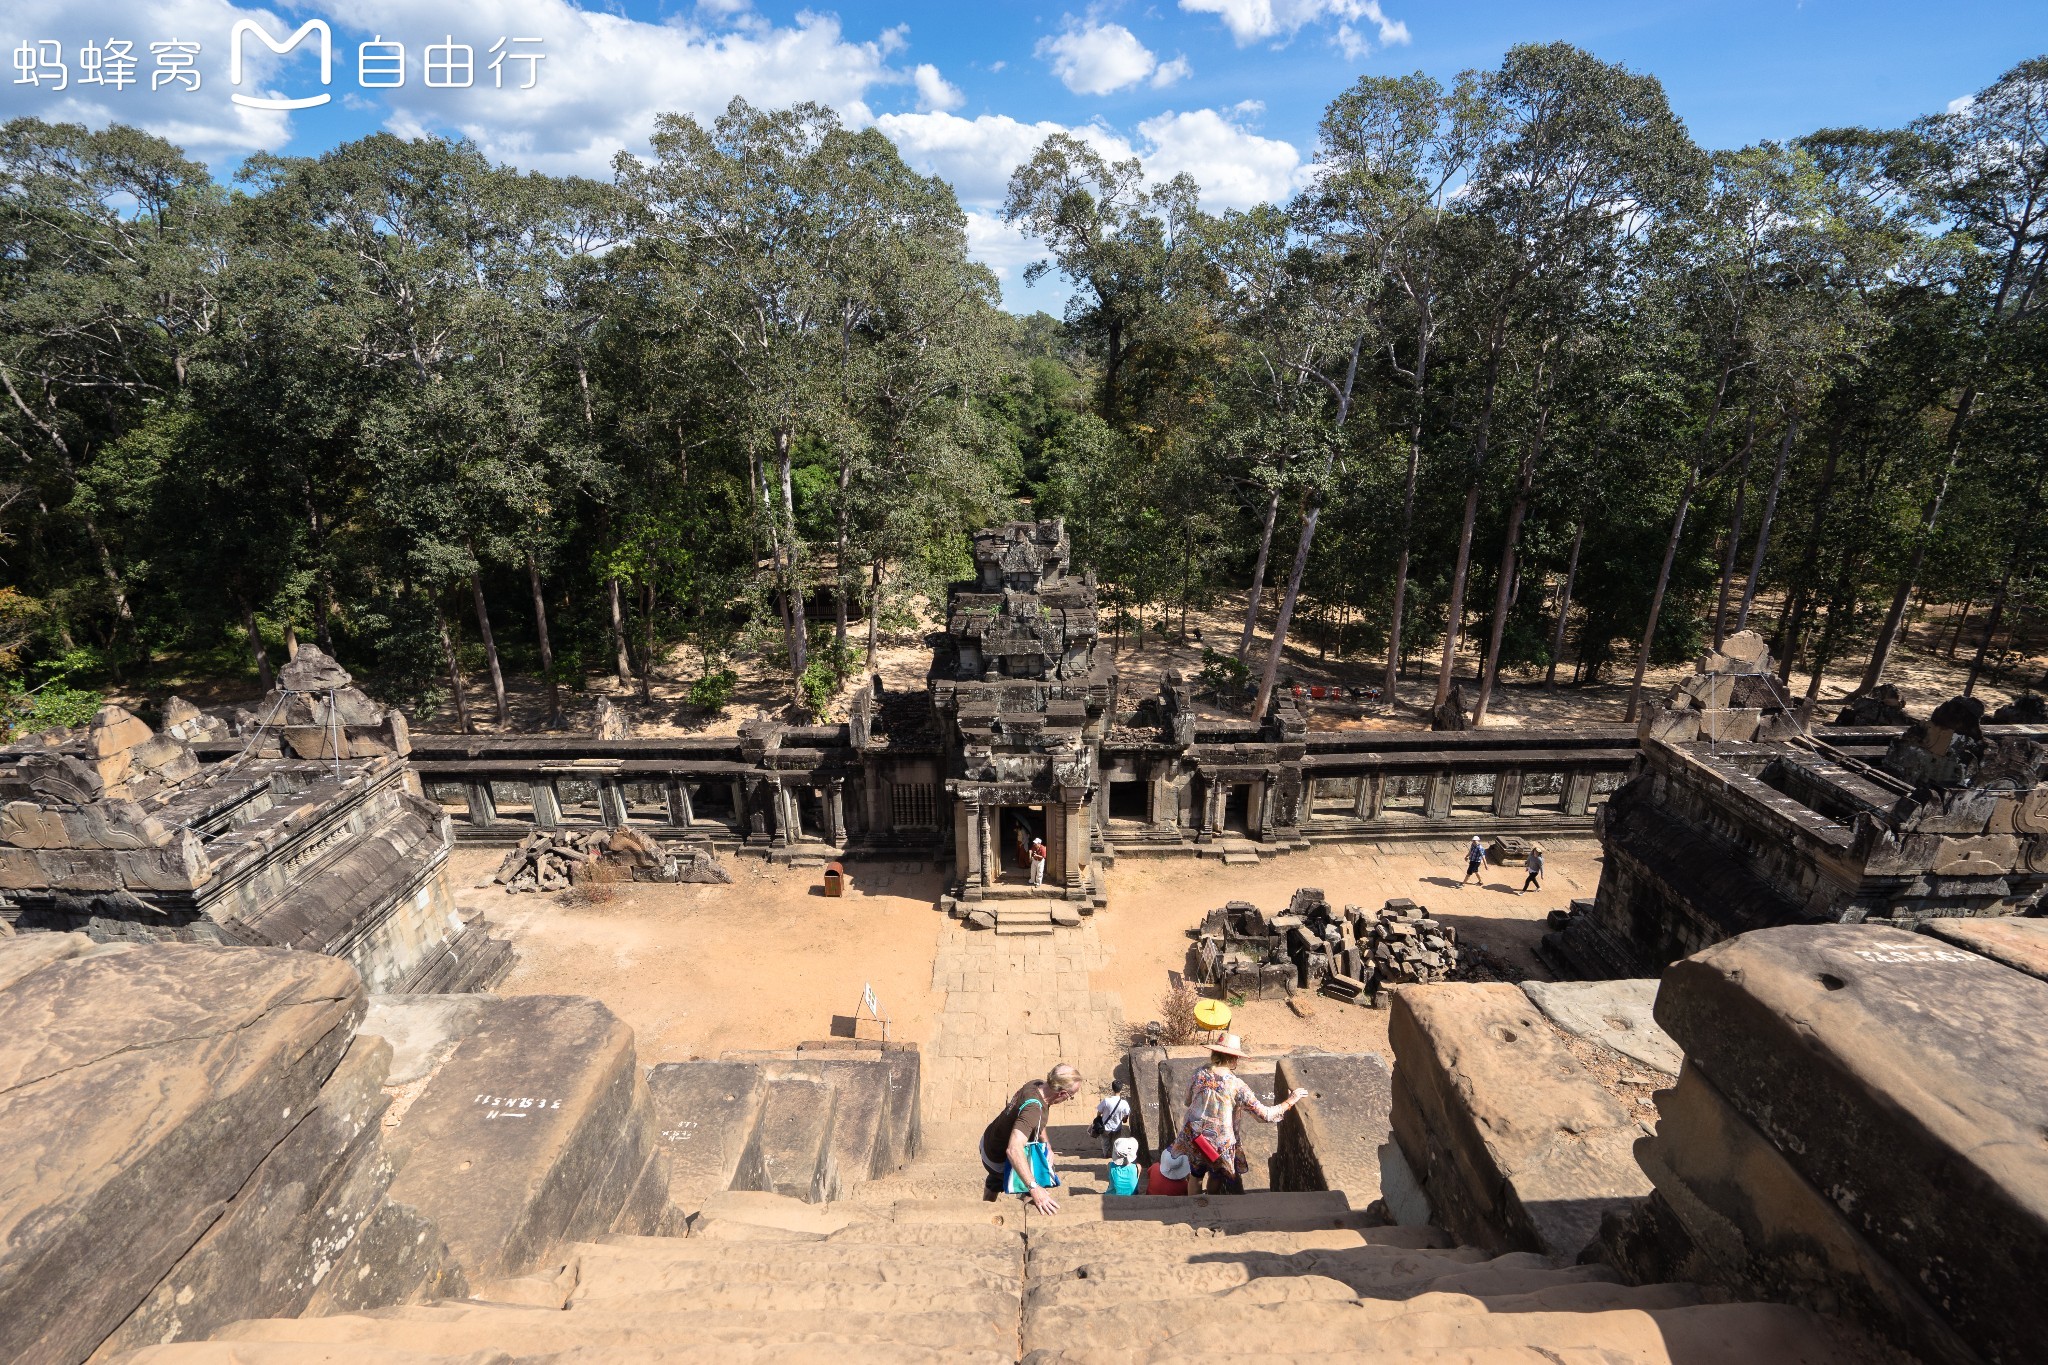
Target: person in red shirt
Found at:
1168, 1175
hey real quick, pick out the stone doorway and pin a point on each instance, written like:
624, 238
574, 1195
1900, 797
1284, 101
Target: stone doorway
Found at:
1016, 827
1237, 801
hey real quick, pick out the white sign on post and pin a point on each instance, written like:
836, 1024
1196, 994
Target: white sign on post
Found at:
867, 1000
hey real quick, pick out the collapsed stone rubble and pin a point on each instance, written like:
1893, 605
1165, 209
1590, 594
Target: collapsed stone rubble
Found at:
306, 832
1311, 946
1738, 818
554, 860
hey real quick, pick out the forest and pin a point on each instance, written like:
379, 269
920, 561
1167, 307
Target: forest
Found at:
1523, 374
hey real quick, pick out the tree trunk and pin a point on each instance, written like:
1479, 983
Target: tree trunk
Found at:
1503, 590
1564, 607
1880, 652
1635, 691
1423, 330
1258, 590
258, 654
1763, 530
1734, 536
325, 607
647, 645
483, 626
1286, 616
839, 569
454, 674
623, 664
793, 591
291, 640
1998, 598
1991, 625
1308, 535
547, 648
1962, 623
1454, 617
1809, 560
874, 607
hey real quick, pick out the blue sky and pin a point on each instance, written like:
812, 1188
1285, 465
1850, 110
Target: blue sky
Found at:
1228, 90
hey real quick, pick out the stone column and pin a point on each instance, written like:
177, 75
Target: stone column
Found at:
1507, 793
786, 828
611, 801
1372, 795
753, 819
1210, 791
547, 803
967, 845
1073, 815
483, 811
835, 802
1267, 799
991, 856
1578, 792
679, 812
1436, 800
875, 818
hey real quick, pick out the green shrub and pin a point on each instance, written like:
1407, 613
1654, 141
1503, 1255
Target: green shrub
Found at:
712, 693
1226, 673
53, 706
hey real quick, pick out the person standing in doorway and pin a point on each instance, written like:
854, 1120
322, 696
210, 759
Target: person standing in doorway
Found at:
1535, 867
1038, 862
1475, 858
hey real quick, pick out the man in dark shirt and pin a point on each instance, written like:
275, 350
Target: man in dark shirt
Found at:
1023, 1121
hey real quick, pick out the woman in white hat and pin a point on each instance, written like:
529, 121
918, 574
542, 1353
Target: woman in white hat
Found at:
1208, 1134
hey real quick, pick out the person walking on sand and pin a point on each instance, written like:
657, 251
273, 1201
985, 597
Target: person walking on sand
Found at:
1038, 862
1208, 1134
1475, 858
1535, 867
1021, 1123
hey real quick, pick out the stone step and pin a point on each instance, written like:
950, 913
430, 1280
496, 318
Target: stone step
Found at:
709, 1353
1157, 1240
1776, 1333
1108, 1287
1205, 1264
1240, 858
600, 1262
1264, 1210
456, 1327
640, 1274
804, 1296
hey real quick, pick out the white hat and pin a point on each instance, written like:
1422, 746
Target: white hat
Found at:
1125, 1149
1227, 1044
1173, 1165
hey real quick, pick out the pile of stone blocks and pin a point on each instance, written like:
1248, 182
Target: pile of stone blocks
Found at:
1858, 1128
1399, 944
1734, 696
198, 1135
554, 859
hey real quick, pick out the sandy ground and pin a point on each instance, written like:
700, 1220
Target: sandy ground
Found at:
696, 970
768, 962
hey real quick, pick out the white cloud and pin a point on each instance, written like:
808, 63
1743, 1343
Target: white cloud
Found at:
1094, 58
1235, 168
1169, 72
977, 155
935, 92
1251, 21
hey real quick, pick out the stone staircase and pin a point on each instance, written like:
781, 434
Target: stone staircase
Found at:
914, 1268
